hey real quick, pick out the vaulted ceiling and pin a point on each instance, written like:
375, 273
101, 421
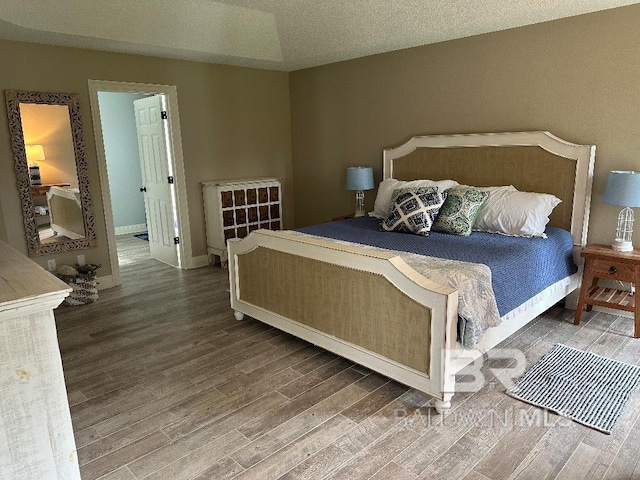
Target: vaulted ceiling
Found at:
274, 34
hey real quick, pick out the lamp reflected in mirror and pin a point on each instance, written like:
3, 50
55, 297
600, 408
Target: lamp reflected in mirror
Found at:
35, 154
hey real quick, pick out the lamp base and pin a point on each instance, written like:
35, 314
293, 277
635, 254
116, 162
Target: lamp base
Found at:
359, 204
622, 246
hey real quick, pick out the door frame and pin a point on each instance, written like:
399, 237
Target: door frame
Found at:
185, 256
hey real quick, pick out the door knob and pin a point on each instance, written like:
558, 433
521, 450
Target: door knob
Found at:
143, 189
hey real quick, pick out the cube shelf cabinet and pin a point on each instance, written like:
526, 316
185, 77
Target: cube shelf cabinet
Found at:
235, 208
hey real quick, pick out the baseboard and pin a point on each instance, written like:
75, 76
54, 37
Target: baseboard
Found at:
612, 311
129, 229
105, 282
198, 262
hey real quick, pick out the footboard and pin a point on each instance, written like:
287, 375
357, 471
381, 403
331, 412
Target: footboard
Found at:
65, 212
365, 305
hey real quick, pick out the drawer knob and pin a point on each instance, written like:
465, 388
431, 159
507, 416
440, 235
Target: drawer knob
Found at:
612, 269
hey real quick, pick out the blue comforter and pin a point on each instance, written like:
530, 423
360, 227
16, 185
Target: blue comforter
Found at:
520, 267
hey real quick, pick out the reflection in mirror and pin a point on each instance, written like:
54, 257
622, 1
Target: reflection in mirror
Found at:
54, 179
48, 148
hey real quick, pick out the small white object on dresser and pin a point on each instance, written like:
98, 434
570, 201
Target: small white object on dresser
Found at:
234, 208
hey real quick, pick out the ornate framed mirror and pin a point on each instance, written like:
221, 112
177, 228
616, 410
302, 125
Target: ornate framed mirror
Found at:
51, 170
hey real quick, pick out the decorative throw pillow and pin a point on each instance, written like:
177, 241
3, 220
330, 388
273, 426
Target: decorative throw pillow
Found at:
386, 188
418, 190
414, 212
459, 211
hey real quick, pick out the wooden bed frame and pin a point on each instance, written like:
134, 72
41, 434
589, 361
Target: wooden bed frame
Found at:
374, 309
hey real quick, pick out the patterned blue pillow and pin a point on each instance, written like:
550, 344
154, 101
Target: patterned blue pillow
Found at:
399, 191
414, 212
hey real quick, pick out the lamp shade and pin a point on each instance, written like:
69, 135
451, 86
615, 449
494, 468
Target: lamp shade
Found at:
623, 189
35, 153
359, 178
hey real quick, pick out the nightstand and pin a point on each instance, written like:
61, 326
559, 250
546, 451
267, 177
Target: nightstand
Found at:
601, 261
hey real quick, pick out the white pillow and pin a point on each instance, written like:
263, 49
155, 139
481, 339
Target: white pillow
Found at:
385, 190
511, 212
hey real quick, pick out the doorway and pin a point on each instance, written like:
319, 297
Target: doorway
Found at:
123, 163
176, 223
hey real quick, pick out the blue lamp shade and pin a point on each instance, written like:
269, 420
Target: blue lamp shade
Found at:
359, 178
623, 189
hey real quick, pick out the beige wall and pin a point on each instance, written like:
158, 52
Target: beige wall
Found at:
576, 77
235, 124
49, 126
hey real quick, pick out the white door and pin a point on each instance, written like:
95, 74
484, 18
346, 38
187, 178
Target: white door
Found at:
157, 191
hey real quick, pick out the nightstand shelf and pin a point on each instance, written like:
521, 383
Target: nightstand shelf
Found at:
602, 262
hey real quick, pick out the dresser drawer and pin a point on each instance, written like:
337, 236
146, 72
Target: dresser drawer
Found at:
612, 269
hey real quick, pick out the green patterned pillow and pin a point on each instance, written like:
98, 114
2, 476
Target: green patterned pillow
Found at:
459, 210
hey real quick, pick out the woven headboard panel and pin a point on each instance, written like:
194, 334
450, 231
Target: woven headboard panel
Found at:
529, 169
530, 161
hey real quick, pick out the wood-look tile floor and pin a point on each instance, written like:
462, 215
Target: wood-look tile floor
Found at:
163, 383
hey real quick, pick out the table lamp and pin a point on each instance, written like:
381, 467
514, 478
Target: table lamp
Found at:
359, 179
623, 189
35, 154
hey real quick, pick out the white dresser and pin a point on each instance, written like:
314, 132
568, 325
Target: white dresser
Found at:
36, 436
234, 208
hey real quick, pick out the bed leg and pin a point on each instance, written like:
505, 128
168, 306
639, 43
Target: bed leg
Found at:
239, 315
443, 406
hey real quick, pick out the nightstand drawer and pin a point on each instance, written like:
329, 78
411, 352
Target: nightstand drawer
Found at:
612, 269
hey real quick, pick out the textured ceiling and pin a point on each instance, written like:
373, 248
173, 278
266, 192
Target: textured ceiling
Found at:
274, 34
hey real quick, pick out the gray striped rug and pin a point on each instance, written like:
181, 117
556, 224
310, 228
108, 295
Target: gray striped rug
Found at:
579, 385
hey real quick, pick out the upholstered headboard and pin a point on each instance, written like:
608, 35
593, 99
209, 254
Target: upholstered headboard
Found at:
530, 161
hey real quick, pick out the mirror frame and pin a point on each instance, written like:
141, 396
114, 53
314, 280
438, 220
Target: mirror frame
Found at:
14, 98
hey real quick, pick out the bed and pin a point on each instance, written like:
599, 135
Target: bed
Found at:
65, 212
373, 305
